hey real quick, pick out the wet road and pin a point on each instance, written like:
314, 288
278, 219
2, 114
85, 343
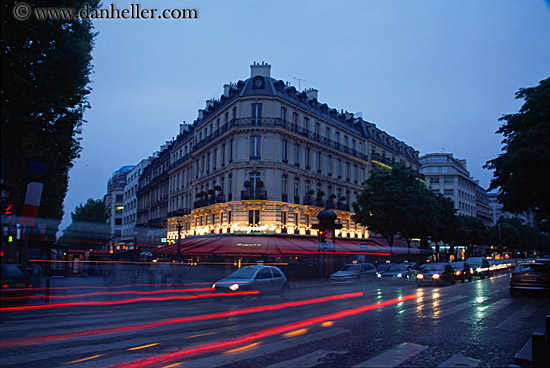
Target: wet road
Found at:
369, 325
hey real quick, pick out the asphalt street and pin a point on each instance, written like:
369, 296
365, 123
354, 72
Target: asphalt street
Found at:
367, 325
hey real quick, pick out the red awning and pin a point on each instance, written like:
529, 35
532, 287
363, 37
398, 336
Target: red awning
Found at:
250, 245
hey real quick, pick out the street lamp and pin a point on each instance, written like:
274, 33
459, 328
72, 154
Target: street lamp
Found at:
179, 226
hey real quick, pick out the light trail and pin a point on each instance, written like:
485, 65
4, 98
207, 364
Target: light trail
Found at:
265, 308
248, 339
110, 293
108, 287
118, 302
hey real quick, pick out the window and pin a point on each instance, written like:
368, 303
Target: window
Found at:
285, 151
306, 123
319, 161
118, 209
119, 198
317, 128
283, 217
296, 154
308, 219
234, 113
353, 144
308, 187
284, 184
276, 272
329, 165
355, 173
118, 221
448, 192
448, 180
214, 156
337, 137
226, 120
207, 158
254, 181
255, 147
346, 140
339, 168
231, 151
283, 116
327, 133
256, 113
296, 218
295, 119
253, 217
229, 217
308, 154
296, 188
347, 170
264, 273
223, 154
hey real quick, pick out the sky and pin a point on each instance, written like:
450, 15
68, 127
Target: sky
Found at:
435, 74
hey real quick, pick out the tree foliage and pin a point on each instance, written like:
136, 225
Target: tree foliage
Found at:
89, 227
522, 171
45, 74
394, 202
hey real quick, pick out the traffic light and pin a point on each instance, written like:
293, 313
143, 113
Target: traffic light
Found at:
322, 236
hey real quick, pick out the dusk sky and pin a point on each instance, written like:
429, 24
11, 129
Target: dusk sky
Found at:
435, 74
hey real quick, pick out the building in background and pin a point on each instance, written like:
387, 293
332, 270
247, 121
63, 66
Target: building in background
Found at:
129, 214
449, 177
114, 201
497, 211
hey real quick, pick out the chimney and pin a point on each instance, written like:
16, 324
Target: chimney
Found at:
201, 113
226, 88
210, 102
312, 93
262, 69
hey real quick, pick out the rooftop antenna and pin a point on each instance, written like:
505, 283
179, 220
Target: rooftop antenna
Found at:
299, 84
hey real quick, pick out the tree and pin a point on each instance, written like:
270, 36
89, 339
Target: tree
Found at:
89, 227
393, 202
45, 73
522, 172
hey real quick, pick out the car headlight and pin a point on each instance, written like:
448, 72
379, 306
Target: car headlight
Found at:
420, 276
213, 286
399, 275
435, 276
234, 287
378, 274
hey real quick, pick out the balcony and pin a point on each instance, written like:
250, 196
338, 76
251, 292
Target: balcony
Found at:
209, 200
253, 195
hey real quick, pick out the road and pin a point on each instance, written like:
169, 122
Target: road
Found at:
370, 325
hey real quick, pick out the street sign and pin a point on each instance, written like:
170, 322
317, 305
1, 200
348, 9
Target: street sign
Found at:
363, 246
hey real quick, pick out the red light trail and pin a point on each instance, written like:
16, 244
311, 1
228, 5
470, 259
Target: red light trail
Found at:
110, 293
214, 346
118, 302
42, 339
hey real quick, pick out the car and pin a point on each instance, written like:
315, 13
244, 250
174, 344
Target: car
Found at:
530, 276
480, 267
381, 267
354, 273
435, 273
263, 279
401, 272
16, 287
462, 270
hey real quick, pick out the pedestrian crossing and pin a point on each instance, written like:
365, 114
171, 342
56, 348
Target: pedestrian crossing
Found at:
109, 350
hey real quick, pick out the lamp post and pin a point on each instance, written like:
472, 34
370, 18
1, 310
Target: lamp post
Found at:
179, 226
326, 224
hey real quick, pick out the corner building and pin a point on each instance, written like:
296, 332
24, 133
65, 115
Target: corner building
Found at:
266, 158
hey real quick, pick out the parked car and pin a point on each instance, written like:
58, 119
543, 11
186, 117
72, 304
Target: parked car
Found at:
16, 287
462, 270
530, 276
437, 273
354, 273
267, 280
401, 272
480, 267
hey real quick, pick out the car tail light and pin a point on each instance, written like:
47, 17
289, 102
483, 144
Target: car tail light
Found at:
435, 276
458, 273
5, 285
514, 277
